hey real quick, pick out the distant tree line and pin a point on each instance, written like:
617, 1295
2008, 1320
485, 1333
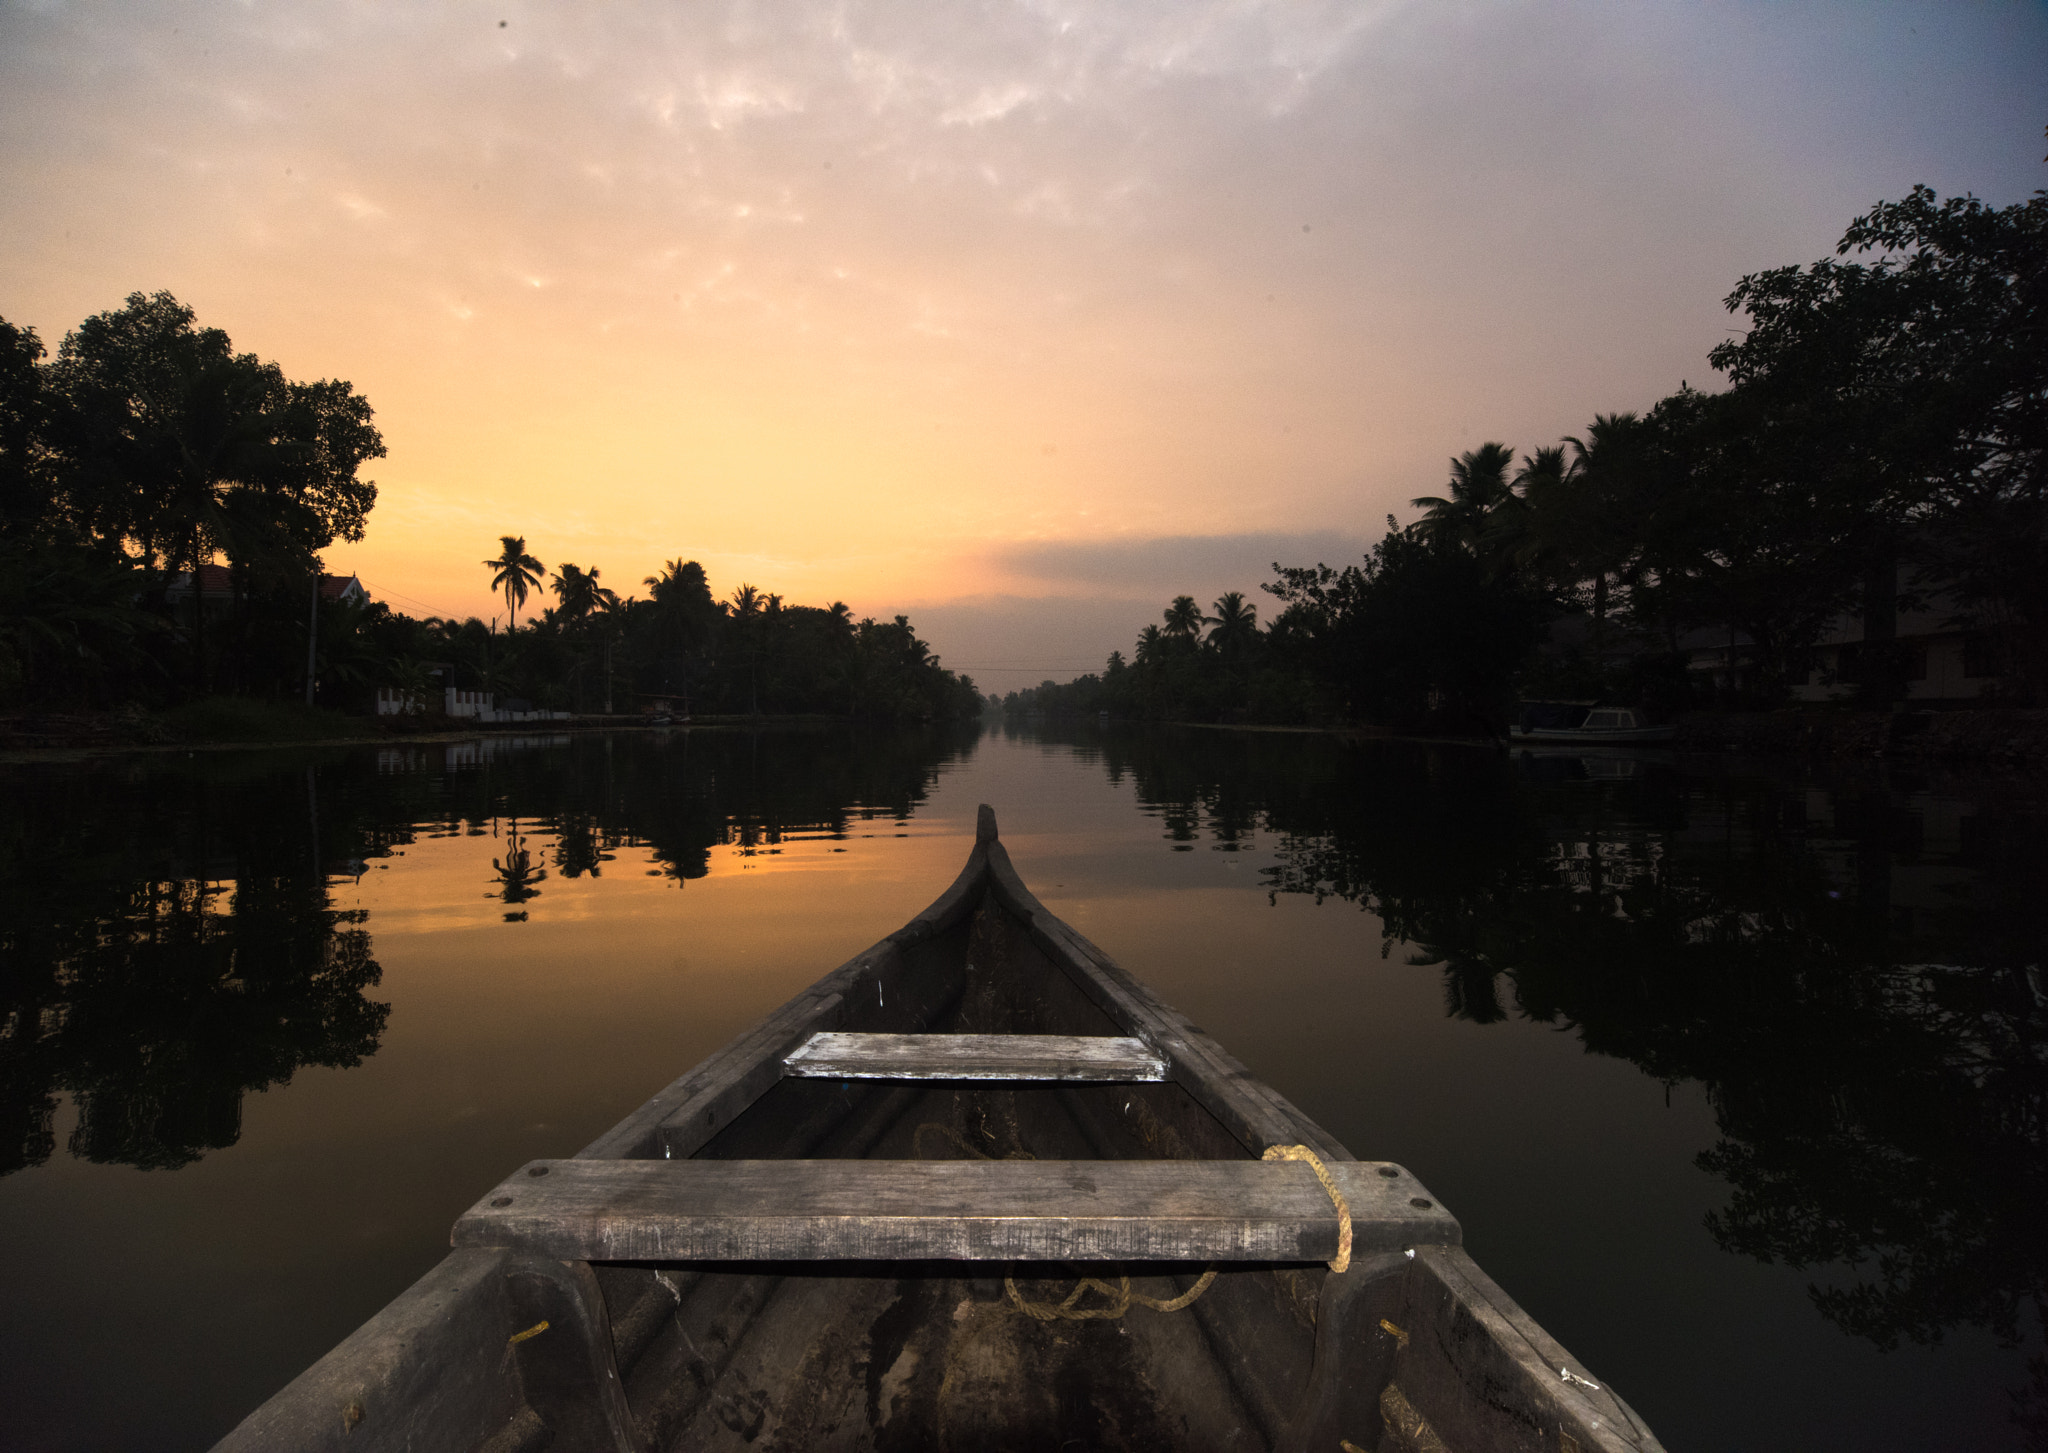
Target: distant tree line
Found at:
679, 648
1883, 415
147, 448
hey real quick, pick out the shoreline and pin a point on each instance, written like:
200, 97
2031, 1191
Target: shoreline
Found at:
2007, 738
75, 749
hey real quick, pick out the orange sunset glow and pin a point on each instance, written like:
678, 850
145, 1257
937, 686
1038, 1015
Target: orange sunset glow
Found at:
1018, 317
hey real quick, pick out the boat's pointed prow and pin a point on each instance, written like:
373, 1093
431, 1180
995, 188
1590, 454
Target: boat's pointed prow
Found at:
983, 1096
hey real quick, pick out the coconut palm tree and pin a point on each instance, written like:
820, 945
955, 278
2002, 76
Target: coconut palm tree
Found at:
1184, 617
1516, 533
1236, 621
517, 574
748, 607
1599, 534
580, 593
1479, 487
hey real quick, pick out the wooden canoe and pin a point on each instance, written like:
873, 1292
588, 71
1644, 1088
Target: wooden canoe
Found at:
956, 1195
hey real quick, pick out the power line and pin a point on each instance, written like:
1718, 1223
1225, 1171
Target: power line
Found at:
380, 590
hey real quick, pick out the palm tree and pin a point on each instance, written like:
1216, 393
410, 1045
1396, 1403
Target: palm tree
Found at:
517, 574
580, 594
1184, 617
748, 605
1236, 620
1148, 644
1516, 533
1479, 487
1596, 535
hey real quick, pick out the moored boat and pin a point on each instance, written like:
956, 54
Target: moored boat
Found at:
1603, 726
977, 1187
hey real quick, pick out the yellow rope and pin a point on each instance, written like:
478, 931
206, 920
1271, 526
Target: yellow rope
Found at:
1342, 1260
1070, 1310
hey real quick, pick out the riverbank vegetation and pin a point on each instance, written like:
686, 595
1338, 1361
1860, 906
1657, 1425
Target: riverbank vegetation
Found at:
1882, 445
163, 504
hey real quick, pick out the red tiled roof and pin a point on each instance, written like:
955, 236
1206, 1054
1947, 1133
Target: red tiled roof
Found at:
217, 580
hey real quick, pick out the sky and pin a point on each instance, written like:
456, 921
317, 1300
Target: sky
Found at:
1017, 316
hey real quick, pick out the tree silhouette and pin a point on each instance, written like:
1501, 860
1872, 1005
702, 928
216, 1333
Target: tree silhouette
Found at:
1184, 618
171, 443
1236, 621
516, 573
1479, 488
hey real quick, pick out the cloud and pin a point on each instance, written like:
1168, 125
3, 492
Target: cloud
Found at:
1166, 565
1081, 599
1009, 641
1173, 288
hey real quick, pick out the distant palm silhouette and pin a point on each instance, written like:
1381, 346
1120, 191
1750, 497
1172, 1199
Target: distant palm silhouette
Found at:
1184, 617
1479, 487
580, 594
1236, 620
517, 574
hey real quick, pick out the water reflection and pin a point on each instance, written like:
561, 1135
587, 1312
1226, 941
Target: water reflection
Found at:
1849, 964
169, 941
169, 945
519, 875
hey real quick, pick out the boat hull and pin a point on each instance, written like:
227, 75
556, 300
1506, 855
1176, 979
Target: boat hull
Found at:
1596, 737
1411, 1347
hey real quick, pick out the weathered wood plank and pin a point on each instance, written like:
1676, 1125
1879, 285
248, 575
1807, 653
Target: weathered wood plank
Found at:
833, 1055
428, 1371
878, 1210
1505, 1361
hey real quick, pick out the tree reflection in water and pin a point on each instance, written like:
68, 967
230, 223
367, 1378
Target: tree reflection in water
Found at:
1850, 967
168, 942
169, 947
518, 874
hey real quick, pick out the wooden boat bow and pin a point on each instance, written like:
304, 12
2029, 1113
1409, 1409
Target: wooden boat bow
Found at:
816, 1237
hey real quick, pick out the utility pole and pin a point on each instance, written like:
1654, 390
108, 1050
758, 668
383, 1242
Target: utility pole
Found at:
312, 633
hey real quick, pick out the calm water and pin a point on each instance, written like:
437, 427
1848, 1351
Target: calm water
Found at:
1738, 1079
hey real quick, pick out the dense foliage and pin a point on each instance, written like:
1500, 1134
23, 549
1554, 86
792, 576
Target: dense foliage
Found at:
1885, 419
148, 448
679, 649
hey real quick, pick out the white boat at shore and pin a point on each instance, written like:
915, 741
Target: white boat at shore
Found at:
1613, 726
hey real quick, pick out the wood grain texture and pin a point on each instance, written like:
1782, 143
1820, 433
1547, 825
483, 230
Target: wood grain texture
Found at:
428, 1371
831, 1055
1491, 1356
880, 1210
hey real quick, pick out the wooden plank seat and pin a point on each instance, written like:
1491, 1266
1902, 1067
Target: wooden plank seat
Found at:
1016, 1210
834, 1055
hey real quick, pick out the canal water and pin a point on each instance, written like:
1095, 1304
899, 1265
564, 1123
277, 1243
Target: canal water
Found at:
1736, 1074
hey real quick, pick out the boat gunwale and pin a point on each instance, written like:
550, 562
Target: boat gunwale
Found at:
378, 1365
